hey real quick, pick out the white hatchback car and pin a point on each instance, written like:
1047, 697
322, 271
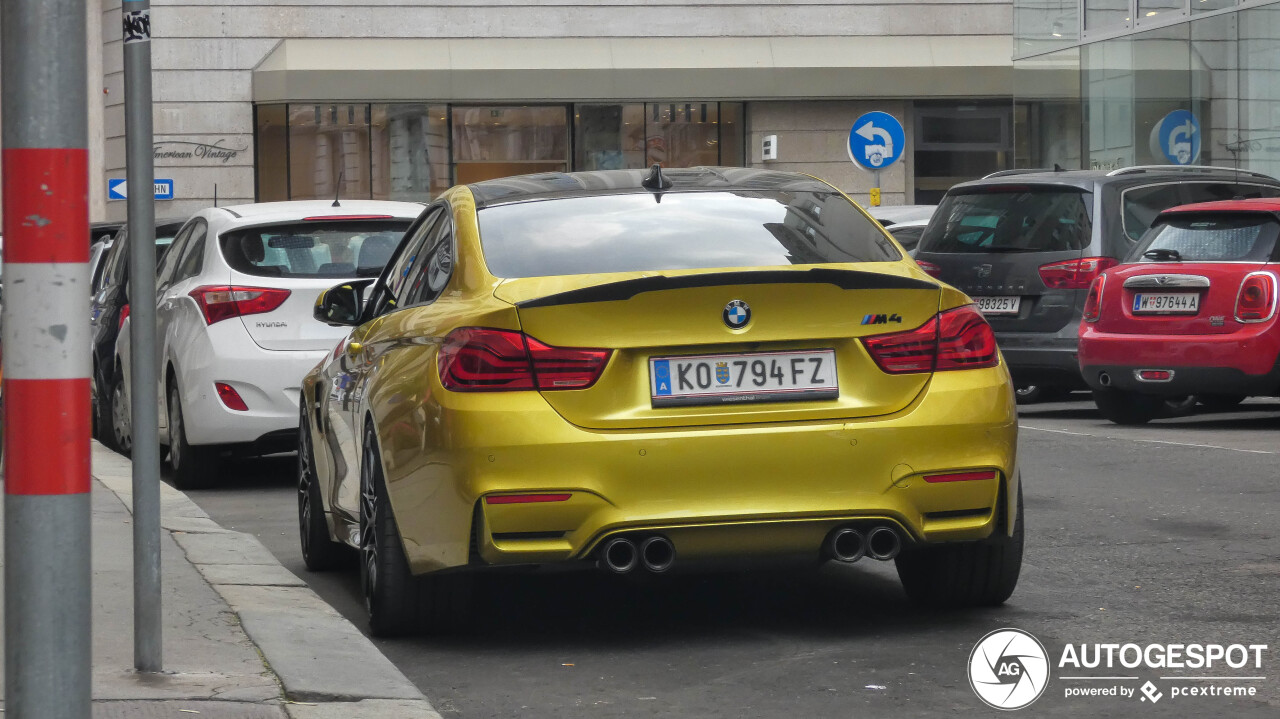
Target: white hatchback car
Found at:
235, 332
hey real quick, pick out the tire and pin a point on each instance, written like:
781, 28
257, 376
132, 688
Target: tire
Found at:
319, 552
1028, 393
398, 602
1128, 408
1220, 401
194, 467
100, 399
965, 574
121, 422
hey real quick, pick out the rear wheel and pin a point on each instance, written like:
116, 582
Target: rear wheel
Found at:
121, 420
1033, 393
1128, 407
194, 467
967, 574
398, 602
319, 551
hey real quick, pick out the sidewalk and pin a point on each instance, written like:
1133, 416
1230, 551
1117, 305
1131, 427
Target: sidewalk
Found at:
243, 637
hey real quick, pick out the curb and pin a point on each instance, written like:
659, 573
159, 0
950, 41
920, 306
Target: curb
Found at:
326, 666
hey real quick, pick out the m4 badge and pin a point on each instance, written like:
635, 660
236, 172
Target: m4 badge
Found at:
881, 319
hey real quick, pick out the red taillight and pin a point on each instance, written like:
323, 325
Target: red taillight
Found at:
476, 359
525, 498
230, 397
956, 339
124, 315
1093, 303
224, 301
930, 268
1074, 274
1256, 301
960, 476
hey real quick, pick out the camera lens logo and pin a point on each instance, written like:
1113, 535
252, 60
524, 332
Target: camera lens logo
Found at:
1008, 669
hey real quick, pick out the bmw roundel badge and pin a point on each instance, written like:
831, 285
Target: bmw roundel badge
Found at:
737, 314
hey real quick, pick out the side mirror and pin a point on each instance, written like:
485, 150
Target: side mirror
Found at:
340, 305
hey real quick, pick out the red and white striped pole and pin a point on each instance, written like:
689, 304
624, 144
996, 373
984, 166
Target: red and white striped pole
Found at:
46, 360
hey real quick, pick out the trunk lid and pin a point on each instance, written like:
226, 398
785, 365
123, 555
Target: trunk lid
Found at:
683, 313
1199, 256
305, 257
991, 241
1214, 286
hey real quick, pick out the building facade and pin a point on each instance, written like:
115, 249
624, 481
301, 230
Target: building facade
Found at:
1109, 83
398, 99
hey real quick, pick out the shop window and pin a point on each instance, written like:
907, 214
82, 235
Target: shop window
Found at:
329, 152
608, 137
491, 142
410, 157
1159, 10
1105, 15
682, 133
733, 135
271, 153
1199, 6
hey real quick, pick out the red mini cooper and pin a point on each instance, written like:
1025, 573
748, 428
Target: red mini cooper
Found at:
1192, 312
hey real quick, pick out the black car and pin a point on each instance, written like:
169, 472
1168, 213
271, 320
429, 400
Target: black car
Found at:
1026, 244
109, 307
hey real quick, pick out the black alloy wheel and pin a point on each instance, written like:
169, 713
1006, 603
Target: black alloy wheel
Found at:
398, 602
121, 420
319, 551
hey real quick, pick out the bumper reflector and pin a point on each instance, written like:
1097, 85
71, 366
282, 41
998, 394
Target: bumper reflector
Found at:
230, 397
525, 498
1155, 375
961, 476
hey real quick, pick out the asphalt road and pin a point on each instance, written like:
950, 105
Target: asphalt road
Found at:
1164, 534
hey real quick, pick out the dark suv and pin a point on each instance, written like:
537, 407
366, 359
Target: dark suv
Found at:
108, 308
1026, 244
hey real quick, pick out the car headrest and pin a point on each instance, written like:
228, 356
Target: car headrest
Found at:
375, 251
251, 246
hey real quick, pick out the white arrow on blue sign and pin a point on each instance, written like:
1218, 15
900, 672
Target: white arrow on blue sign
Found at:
118, 189
876, 141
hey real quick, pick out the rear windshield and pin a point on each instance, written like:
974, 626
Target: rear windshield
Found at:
1018, 219
314, 248
673, 231
1209, 238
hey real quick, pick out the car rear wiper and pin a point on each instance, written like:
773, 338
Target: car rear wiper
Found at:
1163, 255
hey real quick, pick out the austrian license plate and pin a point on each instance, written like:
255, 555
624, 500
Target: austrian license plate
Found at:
751, 377
998, 305
1168, 303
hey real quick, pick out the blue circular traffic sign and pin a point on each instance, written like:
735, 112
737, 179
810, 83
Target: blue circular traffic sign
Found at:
1178, 137
876, 141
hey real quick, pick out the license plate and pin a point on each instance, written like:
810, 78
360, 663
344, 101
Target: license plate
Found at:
1166, 303
998, 305
743, 378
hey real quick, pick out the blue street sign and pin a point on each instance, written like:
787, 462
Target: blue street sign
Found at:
118, 190
876, 141
1178, 135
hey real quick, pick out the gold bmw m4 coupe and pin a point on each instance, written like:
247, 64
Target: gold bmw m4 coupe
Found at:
633, 369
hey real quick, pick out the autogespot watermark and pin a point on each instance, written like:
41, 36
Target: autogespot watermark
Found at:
1010, 669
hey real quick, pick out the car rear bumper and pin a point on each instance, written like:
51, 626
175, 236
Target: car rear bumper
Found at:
718, 491
1243, 362
1041, 358
269, 383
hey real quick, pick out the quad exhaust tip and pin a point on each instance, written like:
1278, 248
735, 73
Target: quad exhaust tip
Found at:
620, 555
883, 544
846, 545
657, 554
